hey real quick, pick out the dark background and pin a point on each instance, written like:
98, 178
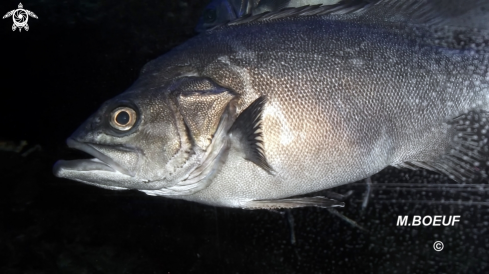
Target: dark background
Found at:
81, 53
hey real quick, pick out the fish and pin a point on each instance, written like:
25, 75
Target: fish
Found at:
267, 110
222, 11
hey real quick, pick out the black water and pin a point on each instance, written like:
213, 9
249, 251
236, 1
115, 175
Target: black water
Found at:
80, 53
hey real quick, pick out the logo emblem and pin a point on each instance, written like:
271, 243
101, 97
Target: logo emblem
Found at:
20, 17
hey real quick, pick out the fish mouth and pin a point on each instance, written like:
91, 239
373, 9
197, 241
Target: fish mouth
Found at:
101, 162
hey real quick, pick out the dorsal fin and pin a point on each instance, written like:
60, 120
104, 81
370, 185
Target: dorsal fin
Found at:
412, 11
344, 7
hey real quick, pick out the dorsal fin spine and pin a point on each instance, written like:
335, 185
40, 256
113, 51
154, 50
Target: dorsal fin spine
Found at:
341, 8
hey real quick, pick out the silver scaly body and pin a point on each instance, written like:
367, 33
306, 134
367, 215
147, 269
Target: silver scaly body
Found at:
347, 94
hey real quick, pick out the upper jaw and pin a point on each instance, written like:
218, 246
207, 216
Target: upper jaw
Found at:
101, 162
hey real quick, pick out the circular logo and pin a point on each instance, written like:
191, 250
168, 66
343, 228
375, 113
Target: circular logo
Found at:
20, 17
438, 246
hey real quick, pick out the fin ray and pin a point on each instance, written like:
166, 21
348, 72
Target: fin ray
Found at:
317, 201
416, 11
248, 133
466, 156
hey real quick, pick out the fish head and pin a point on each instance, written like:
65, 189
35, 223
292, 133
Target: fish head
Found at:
149, 139
129, 138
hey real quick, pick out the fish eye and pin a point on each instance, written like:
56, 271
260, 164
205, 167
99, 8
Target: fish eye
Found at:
210, 15
123, 118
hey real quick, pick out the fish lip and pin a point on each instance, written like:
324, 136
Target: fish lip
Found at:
100, 158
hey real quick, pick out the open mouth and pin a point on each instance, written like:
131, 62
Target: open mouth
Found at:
101, 162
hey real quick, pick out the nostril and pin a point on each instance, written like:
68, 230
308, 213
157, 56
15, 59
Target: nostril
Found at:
95, 123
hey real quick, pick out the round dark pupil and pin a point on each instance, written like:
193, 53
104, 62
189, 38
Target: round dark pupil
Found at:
209, 15
122, 118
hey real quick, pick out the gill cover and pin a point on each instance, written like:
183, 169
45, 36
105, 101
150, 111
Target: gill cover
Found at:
206, 114
203, 113
201, 103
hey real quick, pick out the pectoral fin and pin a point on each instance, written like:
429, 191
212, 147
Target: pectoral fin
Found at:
246, 132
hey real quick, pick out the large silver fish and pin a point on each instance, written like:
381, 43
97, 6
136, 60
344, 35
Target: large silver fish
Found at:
273, 106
